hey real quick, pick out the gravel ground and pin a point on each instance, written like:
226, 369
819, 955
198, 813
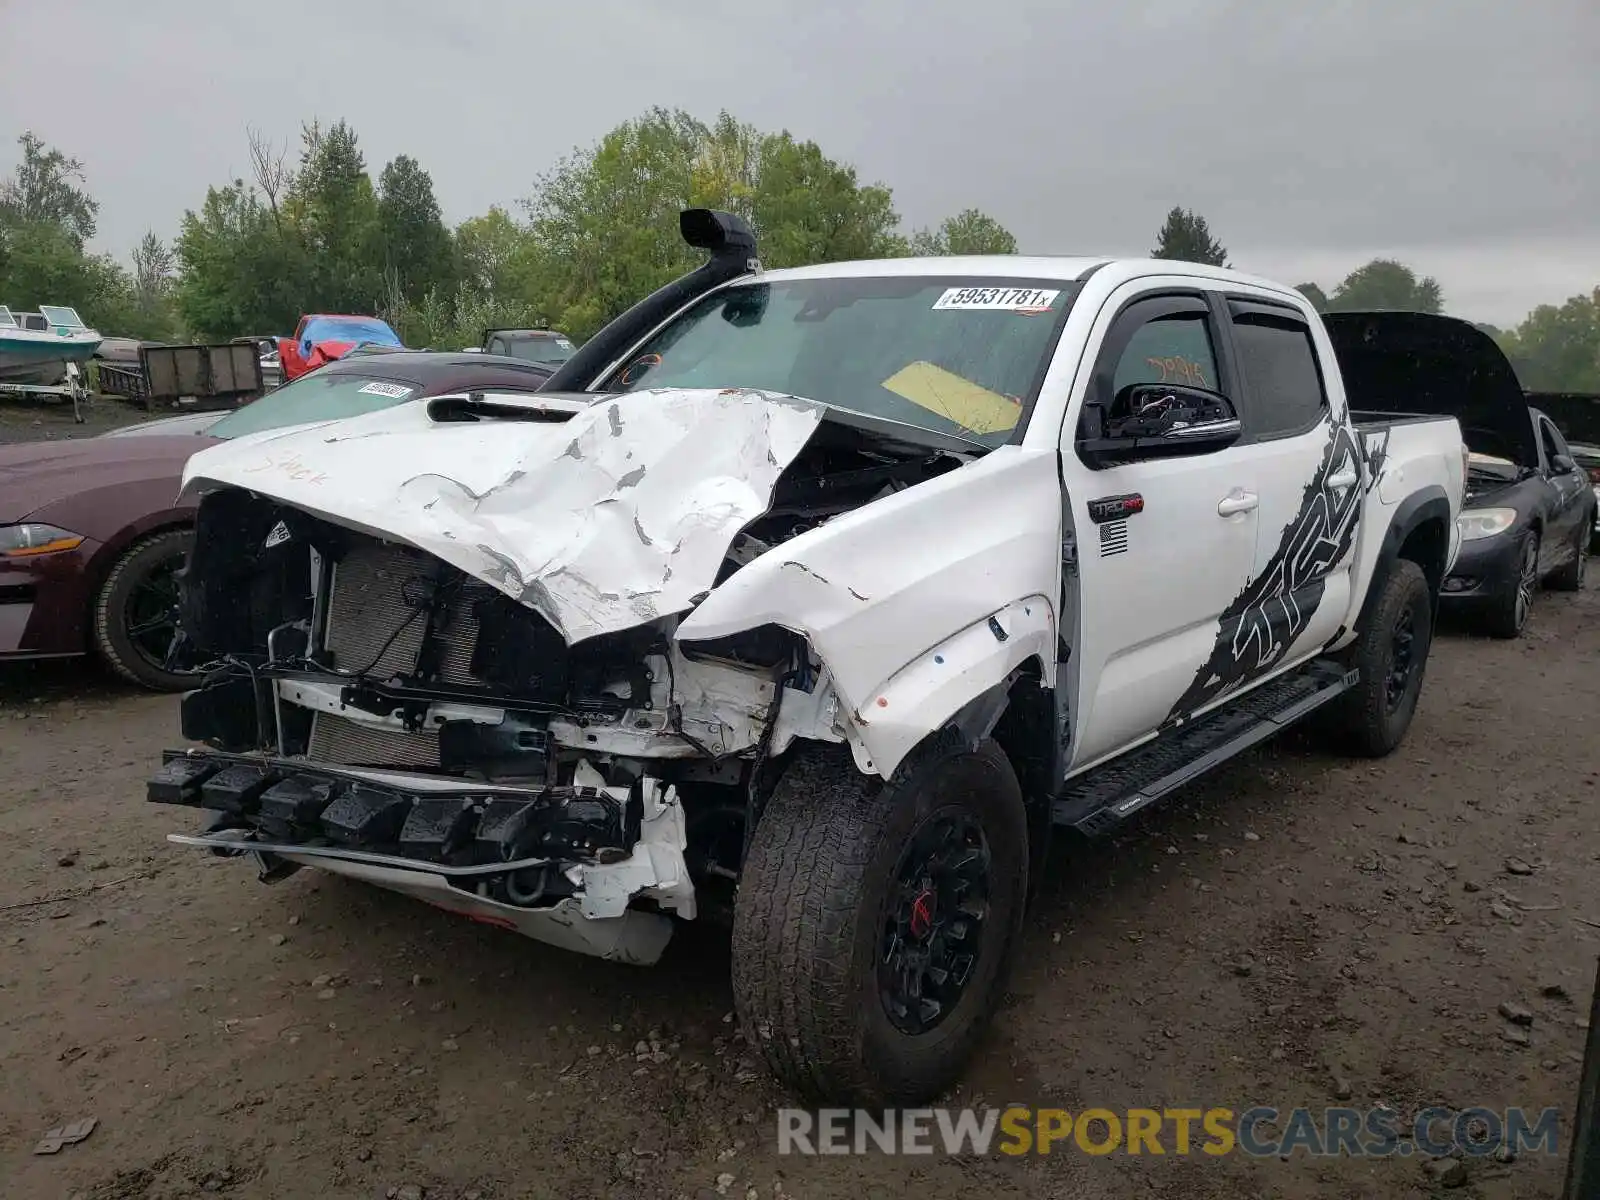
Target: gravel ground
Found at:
33, 421
1298, 929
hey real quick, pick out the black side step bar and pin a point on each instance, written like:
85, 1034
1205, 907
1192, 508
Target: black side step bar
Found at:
1096, 802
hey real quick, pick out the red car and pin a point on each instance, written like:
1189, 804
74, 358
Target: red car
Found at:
327, 337
92, 535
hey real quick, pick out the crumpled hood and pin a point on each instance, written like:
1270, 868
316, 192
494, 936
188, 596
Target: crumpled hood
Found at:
602, 522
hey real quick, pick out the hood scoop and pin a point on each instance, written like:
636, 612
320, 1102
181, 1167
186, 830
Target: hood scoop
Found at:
478, 407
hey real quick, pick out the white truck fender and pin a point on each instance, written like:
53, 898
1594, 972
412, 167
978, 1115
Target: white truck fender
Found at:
883, 592
925, 694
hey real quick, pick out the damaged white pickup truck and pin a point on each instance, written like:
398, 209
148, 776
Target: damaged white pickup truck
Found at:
812, 598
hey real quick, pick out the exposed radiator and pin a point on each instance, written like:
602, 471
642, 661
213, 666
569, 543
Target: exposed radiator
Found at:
368, 604
341, 740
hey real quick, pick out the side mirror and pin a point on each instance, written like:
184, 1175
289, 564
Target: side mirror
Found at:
1562, 465
1158, 420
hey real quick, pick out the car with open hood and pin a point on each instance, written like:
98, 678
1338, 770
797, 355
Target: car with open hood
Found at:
1530, 509
814, 599
92, 530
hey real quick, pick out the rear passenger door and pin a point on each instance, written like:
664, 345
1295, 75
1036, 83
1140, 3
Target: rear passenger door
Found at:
1561, 540
1310, 475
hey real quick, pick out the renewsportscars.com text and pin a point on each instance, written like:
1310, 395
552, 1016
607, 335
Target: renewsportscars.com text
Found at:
1260, 1132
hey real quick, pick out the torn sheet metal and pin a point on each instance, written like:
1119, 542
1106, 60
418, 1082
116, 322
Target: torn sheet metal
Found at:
655, 870
601, 522
877, 589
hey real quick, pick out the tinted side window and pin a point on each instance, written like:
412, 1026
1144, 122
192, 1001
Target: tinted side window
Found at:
1279, 366
1553, 442
1170, 349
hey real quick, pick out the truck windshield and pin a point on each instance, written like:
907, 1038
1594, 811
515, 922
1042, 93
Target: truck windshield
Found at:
959, 356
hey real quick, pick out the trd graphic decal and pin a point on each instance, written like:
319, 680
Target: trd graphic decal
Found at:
1111, 508
1264, 620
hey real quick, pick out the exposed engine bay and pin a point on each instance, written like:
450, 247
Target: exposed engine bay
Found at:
370, 705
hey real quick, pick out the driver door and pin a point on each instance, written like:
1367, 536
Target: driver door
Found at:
1163, 545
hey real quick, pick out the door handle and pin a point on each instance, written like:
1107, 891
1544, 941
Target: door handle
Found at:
1343, 479
1237, 502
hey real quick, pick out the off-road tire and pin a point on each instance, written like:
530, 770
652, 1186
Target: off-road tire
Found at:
1570, 577
111, 637
1364, 721
812, 910
1510, 618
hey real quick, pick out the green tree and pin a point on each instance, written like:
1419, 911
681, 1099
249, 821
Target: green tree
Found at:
604, 222
334, 209
154, 276
42, 191
727, 170
254, 259
488, 251
1386, 284
1186, 236
810, 209
456, 320
238, 273
153, 266
46, 216
45, 265
416, 244
968, 232
1557, 348
603, 225
1315, 294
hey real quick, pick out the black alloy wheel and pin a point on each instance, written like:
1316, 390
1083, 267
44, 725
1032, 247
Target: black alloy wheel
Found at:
933, 929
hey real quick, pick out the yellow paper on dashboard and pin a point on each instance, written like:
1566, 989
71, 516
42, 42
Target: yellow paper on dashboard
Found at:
960, 400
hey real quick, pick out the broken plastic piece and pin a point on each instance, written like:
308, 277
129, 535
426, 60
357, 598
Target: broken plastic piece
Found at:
65, 1135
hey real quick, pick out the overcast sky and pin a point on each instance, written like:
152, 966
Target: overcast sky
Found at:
1461, 136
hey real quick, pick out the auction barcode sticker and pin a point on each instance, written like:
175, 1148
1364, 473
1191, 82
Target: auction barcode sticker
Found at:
394, 391
989, 299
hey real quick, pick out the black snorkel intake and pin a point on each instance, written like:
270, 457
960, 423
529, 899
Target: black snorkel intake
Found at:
732, 246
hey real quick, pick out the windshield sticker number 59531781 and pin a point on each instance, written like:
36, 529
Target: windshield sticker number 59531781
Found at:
390, 391
991, 299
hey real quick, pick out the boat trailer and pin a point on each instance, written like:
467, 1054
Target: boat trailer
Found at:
75, 389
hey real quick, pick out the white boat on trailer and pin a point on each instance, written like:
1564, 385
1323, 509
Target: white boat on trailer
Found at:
33, 346
42, 354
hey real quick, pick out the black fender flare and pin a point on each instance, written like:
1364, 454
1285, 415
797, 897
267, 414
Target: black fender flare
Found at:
1030, 735
1425, 504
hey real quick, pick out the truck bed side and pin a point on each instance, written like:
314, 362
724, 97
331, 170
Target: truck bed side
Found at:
1415, 475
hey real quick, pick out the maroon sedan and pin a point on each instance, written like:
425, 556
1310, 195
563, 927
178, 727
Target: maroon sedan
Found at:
91, 531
